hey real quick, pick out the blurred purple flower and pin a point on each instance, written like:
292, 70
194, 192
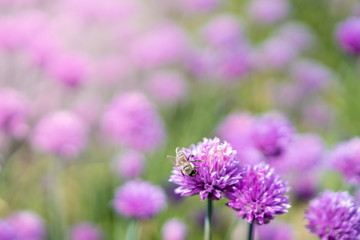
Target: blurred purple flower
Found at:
198, 6
167, 87
164, 44
306, 185
237, 129
346, 159
61, 133
269, 11
13, 114
217, 173
298, 33
334, 215
223, 31
85, 231
260, 195
129, 164
272, 134
318, 115
28, 225
7, 230
174, 229
131, 120
139, 199
348, 35
311, 75
274, 231
170, 192
71, 70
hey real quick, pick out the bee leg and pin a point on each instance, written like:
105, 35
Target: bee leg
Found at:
182, 173
190, 156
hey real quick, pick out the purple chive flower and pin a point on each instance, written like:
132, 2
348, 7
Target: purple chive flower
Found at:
69, 69
198, 6
223, 31
13, 114
306, 185
346, 159
269, 11
28, 225
348, 35
131, 120
260, 195
272, 134
167, 87
174, 229
237, 129
311, 75
165, 44
139, 199
7, 231
85, 231
217, 172
61, 133
334, 215
274, 231
129, 164
298, 33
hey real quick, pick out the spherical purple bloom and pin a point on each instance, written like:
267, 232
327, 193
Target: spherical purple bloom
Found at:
139, 199
269, 11
346, 159
28, 225
237, 129
174, 229
163, 45
272, 134
348, 35
260, 195
274, 231
62, 133
311, 75
7, 231
223, 31
85, 231
305, 186
131, 120
217, 172
130, 163
13, 113
334, 215
168, 87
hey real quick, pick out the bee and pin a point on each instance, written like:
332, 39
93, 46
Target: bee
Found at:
183, 162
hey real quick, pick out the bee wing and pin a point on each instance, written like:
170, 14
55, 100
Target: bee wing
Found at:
172, 159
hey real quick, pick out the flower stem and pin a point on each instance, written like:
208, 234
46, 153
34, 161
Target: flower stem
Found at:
132, 231
251, 231
207, 233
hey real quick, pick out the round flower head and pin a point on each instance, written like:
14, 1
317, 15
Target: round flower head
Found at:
139, 199
174, 229
28, 225
218, 170
311, 75
272, 134
61, 133
167, 87
269, 11
346, 159
348, 35
334, 215
132, 121
130, 164
13, 114
7, 231
223, 31
260, 195
274, 231
85, 231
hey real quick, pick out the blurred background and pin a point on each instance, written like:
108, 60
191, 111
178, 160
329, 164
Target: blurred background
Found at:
94, 93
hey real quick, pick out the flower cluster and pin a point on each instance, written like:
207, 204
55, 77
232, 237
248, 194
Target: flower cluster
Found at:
218, 170
259, 195
334, 215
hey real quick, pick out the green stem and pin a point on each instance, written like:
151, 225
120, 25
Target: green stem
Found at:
132, 232
251, 231
207, 233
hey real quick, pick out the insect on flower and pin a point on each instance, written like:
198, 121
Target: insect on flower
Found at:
183, 162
